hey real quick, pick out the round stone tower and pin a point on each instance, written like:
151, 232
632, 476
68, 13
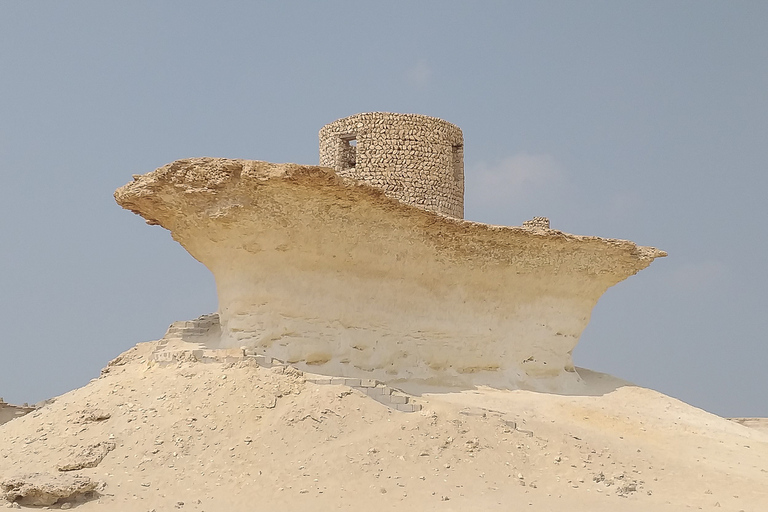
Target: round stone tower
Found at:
416, 159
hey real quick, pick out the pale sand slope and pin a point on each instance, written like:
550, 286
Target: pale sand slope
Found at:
237, 437
757, 423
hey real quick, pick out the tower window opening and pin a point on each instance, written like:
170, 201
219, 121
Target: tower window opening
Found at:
457, 162
348, 152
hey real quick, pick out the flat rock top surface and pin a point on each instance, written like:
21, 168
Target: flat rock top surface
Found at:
182, 192
241, 437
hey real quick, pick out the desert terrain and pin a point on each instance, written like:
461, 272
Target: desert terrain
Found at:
369, 353
237, 436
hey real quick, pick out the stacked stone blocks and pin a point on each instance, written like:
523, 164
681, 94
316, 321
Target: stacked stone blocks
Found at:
375, 389
190, 329
416, 159
537, 223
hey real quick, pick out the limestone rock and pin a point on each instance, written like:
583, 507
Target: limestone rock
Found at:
91, 415
43, 489
89, 457
331, 275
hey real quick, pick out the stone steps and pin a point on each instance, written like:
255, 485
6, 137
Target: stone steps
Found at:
375, 389
200, 355
192, 328
188, 330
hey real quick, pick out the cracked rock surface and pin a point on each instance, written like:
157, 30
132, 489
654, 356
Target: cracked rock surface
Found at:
89, 457
44, 489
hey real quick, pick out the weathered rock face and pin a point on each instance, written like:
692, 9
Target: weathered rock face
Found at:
333, 276
43, 489
89, 457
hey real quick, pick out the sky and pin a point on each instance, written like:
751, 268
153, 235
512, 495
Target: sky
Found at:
645, 121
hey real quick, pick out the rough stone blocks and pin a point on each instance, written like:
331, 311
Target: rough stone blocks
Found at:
416, 159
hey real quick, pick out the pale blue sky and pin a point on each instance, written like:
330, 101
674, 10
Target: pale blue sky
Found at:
639, 120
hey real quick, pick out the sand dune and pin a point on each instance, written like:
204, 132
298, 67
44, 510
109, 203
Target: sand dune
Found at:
237, 436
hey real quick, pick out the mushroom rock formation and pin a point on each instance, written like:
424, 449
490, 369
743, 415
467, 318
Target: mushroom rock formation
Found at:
333, 276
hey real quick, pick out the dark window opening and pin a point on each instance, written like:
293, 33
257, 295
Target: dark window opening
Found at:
457, 162
348, 152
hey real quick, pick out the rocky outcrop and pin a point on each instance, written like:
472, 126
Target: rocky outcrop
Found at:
43, 489
334, 277
88, 457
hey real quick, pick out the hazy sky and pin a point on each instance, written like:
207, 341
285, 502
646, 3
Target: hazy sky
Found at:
644, 120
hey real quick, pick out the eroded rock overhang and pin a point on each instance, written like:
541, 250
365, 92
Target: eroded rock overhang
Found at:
333, 276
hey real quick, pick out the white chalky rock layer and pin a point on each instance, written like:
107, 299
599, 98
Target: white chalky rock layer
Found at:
332, 276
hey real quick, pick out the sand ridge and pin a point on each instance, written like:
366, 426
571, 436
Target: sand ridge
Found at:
237, 436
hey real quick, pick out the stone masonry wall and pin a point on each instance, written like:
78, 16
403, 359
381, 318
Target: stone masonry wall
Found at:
537, 223
416, 159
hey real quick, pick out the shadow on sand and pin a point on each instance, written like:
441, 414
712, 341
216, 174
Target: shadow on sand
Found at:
592, 384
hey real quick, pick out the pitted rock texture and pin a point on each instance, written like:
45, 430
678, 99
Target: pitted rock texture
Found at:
88, 457
332, 276
44, 489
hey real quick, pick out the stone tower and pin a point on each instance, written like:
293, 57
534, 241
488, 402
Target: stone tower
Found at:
416, 159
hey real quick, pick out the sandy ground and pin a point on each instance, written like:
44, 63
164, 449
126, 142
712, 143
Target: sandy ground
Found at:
237, 437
